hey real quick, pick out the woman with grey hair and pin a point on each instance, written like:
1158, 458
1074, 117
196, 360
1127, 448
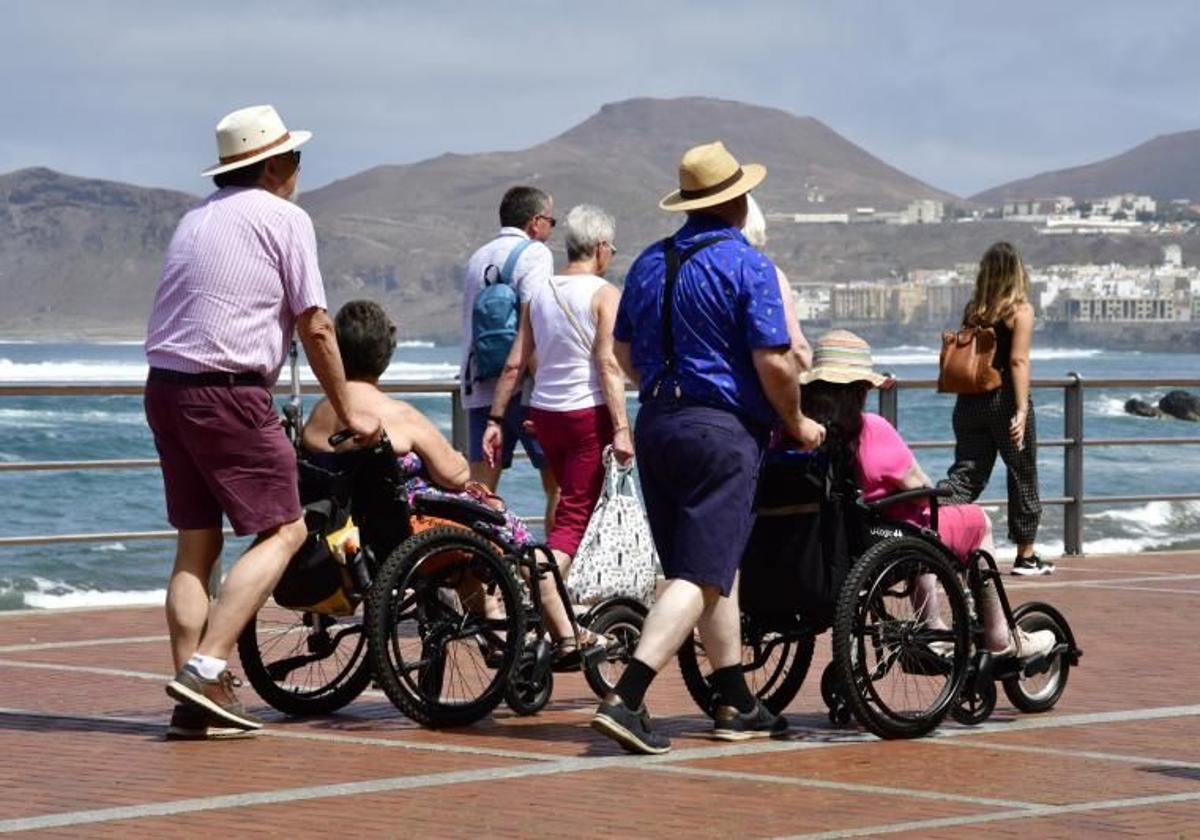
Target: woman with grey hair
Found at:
578, 402
755, 231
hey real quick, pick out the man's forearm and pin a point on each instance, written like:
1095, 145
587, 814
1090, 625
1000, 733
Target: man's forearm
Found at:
320, 347
780, 382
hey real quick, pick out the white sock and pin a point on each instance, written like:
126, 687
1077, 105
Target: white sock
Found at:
207, 666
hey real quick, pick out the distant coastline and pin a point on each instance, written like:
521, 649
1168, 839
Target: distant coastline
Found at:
1147, 336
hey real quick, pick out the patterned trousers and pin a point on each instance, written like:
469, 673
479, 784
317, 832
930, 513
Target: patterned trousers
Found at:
981, 432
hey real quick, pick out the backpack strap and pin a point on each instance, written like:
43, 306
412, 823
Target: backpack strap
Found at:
675, 260
510, 264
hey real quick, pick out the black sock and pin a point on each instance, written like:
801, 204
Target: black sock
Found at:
631, 688
730, 683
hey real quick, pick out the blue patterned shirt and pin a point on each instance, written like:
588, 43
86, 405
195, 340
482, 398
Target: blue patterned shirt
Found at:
726, 305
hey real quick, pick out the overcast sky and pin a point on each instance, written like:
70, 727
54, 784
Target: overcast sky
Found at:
964, 95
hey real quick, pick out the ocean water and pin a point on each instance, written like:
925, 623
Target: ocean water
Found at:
46, 428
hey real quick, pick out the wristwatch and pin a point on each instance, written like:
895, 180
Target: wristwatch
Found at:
492, 418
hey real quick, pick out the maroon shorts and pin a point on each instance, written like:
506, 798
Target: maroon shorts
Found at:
223, 450
574, 444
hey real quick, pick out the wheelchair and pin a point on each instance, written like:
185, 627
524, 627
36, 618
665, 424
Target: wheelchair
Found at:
445, 619
907, 639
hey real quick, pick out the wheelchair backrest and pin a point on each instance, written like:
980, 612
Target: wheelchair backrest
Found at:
367, 482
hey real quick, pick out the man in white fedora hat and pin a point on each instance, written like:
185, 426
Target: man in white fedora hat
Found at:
701, 329
239, 276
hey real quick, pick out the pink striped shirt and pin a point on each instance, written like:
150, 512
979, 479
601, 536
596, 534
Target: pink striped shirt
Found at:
239, 270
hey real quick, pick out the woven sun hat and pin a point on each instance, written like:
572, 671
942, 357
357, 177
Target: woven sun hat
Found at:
249, 135
709, 175
842, 357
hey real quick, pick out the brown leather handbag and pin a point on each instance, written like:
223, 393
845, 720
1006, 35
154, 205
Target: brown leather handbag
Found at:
966, 362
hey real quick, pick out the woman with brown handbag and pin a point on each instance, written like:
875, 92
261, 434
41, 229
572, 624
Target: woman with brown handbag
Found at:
1001, 421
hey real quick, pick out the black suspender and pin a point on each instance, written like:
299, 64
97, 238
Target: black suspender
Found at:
675, 261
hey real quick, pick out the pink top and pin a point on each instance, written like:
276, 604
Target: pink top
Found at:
240, 268
883, 460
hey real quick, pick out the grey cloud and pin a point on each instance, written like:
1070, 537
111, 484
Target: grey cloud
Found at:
963, 95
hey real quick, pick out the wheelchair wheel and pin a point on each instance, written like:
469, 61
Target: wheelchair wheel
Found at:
901, 674
975, 704
775, 666
1038, 692
302, 663
435, 654
624, 624
834, 696
531, 684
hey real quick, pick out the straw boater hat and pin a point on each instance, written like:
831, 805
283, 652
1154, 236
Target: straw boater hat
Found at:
708, 176
249, 135
842, 357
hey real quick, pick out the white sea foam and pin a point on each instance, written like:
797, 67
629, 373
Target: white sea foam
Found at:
113, 371
48, 418
415, 342
55, 594
907, 354
94, 598
112, 546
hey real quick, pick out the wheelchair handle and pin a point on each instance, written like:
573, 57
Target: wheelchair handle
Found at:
931, 493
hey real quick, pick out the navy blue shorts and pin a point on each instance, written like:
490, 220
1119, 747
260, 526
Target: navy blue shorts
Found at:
514, 419
699, 472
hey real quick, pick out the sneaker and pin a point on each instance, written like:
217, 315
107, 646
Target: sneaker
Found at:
1032, 565
216, 696
192, 723
629, 728
1025, 644
731, 725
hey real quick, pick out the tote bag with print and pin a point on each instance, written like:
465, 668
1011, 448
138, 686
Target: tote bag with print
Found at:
616, 557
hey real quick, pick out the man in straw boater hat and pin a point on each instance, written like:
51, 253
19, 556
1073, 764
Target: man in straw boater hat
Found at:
239, 276
701, 329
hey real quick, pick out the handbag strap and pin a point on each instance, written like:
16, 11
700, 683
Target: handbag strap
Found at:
587, 343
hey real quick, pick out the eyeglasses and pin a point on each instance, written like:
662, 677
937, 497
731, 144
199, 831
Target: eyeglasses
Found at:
553, 221
612, 249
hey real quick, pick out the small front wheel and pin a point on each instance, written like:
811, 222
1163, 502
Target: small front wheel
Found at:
1042, 683
622, 624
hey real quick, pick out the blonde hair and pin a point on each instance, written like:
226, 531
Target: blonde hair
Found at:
1001, 285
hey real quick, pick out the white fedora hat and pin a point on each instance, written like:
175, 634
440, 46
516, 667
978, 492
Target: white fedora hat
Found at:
709, 175
249, 135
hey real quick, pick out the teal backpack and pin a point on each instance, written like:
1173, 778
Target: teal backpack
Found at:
494, 319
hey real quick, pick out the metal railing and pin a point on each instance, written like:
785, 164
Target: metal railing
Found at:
1073, 443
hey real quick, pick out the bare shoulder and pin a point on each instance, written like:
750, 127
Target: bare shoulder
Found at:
1022, 314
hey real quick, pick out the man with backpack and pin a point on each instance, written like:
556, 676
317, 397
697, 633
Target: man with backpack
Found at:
701, 329
498, 283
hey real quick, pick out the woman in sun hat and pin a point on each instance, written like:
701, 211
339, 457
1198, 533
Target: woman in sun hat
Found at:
835, 394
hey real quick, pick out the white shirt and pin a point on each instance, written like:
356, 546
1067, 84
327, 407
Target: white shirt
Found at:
534, 267
566, 379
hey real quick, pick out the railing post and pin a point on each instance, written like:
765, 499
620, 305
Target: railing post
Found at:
889, 403
1073, 465
458, 421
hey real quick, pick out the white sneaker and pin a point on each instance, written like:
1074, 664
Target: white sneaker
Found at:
1025, 644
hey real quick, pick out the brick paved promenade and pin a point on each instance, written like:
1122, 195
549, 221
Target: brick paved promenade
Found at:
82, 712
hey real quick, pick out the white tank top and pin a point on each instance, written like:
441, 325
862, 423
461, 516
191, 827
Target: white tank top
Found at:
566, 378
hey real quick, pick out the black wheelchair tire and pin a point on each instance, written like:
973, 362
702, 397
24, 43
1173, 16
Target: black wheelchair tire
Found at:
401, 567
520, 696
349, 682
617, 618
1031, 616
867, 570
777, 696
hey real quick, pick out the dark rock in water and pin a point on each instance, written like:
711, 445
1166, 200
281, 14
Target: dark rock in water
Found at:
1181, 404
1141, 408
